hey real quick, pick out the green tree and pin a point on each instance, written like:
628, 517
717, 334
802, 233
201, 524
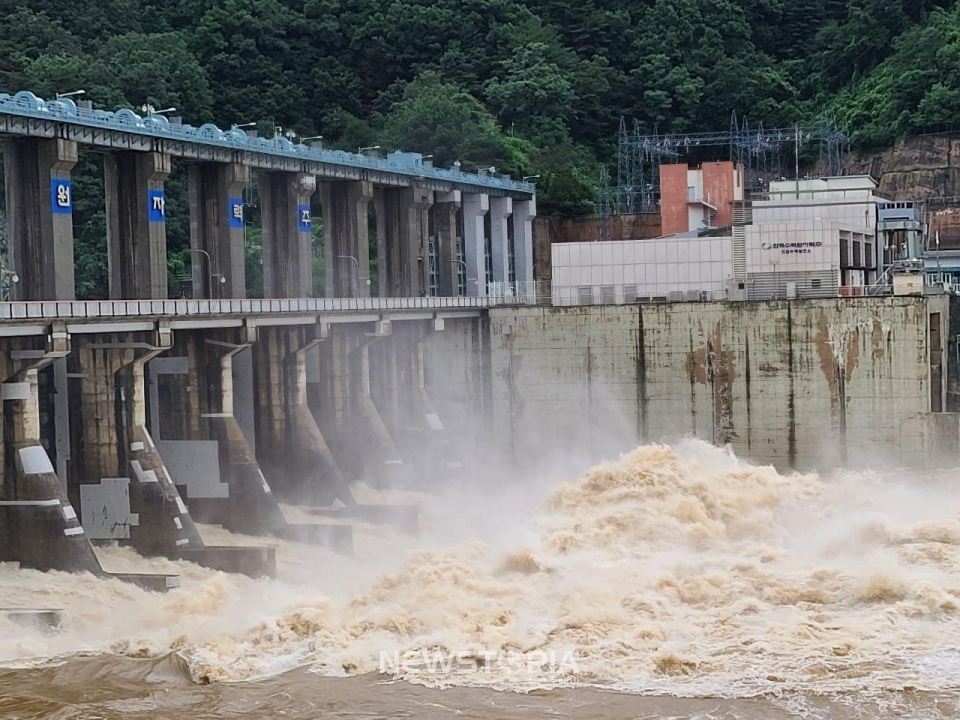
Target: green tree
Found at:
444, 120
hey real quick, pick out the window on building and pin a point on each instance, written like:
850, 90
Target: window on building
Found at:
868, 254
608, 294
856, 254
691, 193
585, 295
629, 293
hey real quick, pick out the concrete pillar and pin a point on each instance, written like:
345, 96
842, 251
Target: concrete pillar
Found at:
217, 229
501, 208
285, 215
136, 224
39, 200
445, 229
346, 238
475, 208
524, 211
402, 238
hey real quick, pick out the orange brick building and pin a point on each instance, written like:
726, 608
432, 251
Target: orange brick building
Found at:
692, 198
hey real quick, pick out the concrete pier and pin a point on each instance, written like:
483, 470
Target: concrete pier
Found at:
475, 209
501, 210
346, 246
444, 223
285, 217
40, 528
217, 229
136, 207
39, 205
402, 239
137, 501
524, 211
208, 453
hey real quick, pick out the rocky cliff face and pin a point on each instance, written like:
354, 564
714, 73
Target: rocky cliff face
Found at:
927, 169
921, 168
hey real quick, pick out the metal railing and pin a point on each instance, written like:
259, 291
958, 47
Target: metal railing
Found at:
534, 292
64, 110
53, 309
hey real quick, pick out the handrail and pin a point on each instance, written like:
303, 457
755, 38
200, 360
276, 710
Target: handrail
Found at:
71, 309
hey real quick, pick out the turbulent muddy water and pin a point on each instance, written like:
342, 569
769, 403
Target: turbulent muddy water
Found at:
673, 582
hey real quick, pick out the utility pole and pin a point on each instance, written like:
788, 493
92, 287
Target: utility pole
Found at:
796, 157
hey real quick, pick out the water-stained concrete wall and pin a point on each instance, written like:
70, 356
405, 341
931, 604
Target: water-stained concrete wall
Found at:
813, 383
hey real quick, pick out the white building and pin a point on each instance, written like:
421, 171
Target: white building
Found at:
812, 238
665, 268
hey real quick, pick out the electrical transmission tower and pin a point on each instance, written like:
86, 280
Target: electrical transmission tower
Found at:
765, 154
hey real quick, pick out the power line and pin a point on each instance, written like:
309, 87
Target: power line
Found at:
762, 152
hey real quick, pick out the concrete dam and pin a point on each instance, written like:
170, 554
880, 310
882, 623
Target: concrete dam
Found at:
131, 428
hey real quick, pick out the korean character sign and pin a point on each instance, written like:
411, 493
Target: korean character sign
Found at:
235, 209
61, 196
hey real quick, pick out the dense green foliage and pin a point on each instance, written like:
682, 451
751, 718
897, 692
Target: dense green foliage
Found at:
533, 87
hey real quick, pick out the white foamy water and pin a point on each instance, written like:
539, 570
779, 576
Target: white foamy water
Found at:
671, 570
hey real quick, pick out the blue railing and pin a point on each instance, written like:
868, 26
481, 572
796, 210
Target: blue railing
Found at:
27, 104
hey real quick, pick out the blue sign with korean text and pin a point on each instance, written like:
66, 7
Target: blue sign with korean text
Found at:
304, 211
156, 206
61, 196
236, 212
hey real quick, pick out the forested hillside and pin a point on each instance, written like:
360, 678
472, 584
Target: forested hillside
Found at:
533, 87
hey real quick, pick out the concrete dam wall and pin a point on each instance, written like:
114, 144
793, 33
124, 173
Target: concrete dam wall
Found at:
803, 384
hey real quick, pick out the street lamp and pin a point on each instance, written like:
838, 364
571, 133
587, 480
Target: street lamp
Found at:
7, 278
150, 110
466, 273
210, 268
357, 262
529, 177
362, 150
244, 125
490, 170
60, 96
312, 137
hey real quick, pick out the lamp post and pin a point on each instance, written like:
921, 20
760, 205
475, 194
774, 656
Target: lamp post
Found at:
7, 279
529, 177
151, 110
361, 151
466, 275
359, 276
210, 269
74, 93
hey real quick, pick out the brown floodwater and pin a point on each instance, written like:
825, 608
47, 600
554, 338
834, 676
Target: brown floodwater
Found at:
120, 688
675, 582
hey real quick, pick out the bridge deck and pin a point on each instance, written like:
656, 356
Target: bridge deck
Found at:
33, 317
